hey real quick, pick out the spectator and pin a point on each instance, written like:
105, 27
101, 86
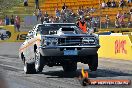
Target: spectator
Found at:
122, 4
72, 13
62, 17
118, 15
46, 17
129, 17
88, 20
17, 23
125, 15
37, 4
80, 12
39, 14
42, 19
108, 3
122, 23
57, 12
51, 19
12, 20
64, 6
94, 24
87, 10
82, 24
83, 9
92, 10
103, 5
7, 20
25, 2
130, 11
107, 21
113, 3
117, 24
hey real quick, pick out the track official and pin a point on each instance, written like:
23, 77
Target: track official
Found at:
82, 24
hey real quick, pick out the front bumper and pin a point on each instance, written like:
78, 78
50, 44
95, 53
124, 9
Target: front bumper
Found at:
58, 50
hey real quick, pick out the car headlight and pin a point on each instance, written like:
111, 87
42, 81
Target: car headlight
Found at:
50, 41
87, 40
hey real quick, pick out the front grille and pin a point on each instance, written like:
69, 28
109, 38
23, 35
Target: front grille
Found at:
70, 41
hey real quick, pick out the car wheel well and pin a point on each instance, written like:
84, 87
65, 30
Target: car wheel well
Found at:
22, 56
35, 47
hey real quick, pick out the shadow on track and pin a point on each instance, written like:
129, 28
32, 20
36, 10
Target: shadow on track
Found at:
98, 73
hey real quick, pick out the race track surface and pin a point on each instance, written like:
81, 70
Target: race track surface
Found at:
12, 68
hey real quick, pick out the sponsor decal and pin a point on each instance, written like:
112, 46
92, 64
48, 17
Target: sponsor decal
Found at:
21, 37
85, 80
120, 47
4, 34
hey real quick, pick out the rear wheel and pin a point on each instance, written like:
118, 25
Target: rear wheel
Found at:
93, 63
39, 64
70, 67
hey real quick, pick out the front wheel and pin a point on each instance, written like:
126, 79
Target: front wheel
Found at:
93, 63
29, 68
70, 67
39, 64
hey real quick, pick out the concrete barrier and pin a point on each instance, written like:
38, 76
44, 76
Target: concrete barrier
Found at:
116, 46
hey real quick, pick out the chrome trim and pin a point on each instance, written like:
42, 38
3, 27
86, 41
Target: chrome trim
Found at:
53, 47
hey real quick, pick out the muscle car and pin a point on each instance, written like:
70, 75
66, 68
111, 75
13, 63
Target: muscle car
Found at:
58, 44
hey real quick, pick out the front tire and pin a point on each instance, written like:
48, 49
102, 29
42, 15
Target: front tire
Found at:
39, 64
93, 63
29, 68
70, 67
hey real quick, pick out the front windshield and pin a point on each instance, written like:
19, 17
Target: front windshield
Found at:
52, 29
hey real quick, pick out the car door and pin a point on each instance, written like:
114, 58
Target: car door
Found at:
25, 44
28, 45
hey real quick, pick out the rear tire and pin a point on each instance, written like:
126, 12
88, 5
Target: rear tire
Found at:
39, 64
70, 67
93, 63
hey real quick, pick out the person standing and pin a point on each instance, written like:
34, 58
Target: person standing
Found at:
82, 24
117, 23
7, 20
46, 17
42, 19
25, 2
12, 20
17, 23
107, 21
39, 14
64, 6
57, 13
37, 4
